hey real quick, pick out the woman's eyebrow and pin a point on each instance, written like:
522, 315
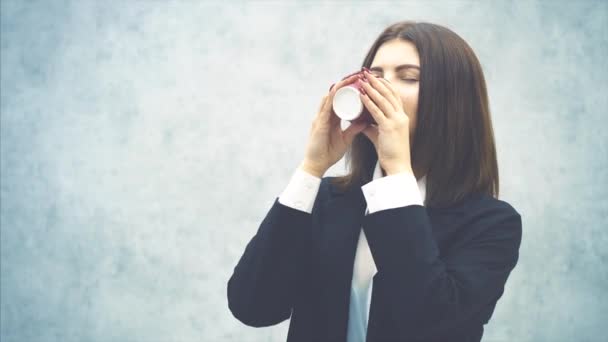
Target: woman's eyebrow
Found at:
402, 66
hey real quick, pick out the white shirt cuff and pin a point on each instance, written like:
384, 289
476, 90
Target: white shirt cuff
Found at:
398, 190
301, 191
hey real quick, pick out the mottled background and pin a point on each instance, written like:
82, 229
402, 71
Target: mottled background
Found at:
142, 143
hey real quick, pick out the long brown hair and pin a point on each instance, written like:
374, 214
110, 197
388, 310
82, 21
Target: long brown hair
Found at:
453, 144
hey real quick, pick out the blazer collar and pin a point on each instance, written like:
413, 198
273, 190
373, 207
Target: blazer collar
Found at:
340, 225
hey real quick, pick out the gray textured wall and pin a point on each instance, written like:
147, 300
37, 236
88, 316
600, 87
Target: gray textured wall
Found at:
142, 143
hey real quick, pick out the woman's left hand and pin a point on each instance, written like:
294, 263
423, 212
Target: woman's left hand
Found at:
391, 137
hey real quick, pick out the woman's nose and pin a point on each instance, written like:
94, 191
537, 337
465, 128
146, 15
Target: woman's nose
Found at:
388, 77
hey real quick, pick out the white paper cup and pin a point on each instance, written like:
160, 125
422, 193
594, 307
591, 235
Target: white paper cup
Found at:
346, 103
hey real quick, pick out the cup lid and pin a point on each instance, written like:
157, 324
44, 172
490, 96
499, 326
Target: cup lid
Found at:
346, 104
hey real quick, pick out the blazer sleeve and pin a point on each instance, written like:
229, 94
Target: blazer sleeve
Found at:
436, 295
263, 287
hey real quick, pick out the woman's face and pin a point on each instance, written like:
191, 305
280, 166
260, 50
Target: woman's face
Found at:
397, 61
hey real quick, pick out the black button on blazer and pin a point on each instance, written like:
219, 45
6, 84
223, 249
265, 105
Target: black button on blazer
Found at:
440, 272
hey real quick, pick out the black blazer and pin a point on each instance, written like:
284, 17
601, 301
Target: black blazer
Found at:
440, 270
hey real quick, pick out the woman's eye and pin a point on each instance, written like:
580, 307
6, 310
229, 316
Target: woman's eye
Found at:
409, 80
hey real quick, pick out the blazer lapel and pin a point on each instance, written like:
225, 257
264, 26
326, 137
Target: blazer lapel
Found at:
340, 226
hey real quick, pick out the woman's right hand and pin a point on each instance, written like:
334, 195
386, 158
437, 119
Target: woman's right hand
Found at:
327, 142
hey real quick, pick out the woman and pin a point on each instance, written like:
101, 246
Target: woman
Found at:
413, 243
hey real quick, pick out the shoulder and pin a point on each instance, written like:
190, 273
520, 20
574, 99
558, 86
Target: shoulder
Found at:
488, 206
480, 218
495, 217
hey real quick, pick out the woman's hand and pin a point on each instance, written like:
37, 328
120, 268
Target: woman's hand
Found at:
327, 143
391, 135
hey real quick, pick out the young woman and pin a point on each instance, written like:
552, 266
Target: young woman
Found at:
413, 243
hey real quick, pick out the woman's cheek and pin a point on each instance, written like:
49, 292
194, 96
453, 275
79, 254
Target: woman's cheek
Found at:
409, 100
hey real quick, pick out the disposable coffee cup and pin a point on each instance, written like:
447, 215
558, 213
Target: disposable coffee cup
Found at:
347, 104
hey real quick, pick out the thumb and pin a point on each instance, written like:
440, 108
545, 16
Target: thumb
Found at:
352, 130
371, 132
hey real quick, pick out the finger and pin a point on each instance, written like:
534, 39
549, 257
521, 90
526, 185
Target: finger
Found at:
323, 102
374, 110
382, 82
396, 96
380, 102
347, 79
383, 90
322, 106
384, 87
352, 130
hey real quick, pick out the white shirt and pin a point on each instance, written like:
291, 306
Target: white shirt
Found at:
381, 193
